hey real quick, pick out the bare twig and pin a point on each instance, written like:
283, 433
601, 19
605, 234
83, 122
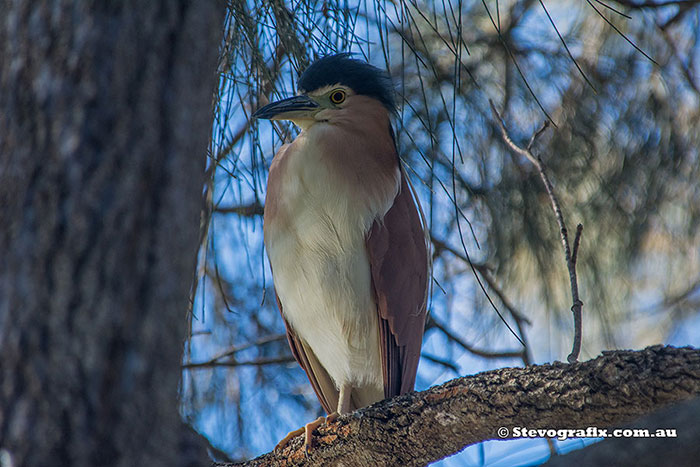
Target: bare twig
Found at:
233, 363
520, 319
577, 240
570, 258
441, 361
262, 341
470, 348
440, 245
537, 134
629, 41
230, 352
244, 210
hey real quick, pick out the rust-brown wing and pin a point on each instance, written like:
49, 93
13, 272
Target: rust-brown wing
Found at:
320, 380
398, 255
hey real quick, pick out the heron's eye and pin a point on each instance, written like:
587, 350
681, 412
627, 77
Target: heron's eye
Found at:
337, 96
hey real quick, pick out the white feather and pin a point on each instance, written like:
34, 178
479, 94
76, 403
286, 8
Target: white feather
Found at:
320, 263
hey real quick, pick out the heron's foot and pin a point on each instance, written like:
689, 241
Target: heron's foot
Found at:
308, 433
332, 417
307, 429
285, 441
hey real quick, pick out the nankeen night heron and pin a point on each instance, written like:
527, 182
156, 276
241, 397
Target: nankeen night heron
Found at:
346, 239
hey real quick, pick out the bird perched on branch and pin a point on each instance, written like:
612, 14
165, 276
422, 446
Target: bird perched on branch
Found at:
346, 240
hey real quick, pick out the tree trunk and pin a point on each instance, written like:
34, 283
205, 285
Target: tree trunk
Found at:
419, 428
105, 114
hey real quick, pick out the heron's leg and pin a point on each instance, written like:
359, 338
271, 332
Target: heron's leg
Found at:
344, 398
343, 403
308, 429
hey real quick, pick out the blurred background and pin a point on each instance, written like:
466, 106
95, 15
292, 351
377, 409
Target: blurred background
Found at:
620, 81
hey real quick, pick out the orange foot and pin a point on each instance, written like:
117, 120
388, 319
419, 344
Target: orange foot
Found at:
308, 430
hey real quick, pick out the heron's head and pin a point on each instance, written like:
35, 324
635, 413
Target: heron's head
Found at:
328, 86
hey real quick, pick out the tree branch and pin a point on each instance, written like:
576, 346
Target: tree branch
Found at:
570, 259
419, 428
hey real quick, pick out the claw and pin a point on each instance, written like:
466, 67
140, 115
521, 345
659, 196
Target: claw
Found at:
308, 430
332, 417
285, 441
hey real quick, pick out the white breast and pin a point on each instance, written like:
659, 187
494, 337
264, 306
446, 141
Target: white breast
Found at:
316, 245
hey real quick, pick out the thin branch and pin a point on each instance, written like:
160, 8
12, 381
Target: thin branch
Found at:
233, 363
570, 259
515, 63
262, 341
520, 319
442, 362
577, 240
622, 34
432, 323
614, 10
244, 210
566, 47
440, 245
537, 134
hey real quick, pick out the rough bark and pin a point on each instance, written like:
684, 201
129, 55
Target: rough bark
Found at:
419, 428
105, 113
647, 452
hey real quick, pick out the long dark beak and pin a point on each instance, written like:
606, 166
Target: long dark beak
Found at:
288, 109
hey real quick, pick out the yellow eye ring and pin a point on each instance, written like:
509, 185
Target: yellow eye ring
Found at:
337, 96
